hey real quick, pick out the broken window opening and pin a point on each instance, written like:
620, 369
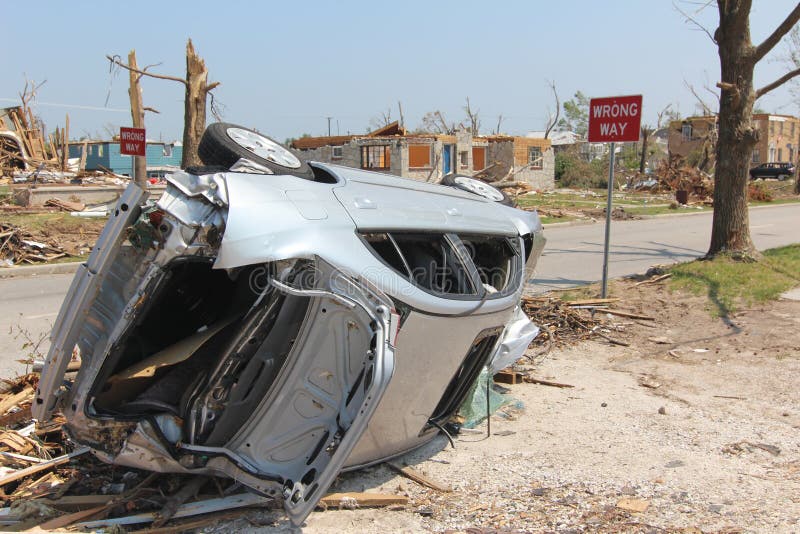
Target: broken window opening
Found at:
535, 157
375, 157
494, 259
426, 260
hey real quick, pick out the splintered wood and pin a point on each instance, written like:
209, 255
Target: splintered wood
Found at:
17, 246
567, 322
558, 320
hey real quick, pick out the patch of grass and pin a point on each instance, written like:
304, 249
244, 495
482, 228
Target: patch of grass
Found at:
58, 221
731, 284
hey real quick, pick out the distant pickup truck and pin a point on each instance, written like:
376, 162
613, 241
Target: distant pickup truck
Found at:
781, 171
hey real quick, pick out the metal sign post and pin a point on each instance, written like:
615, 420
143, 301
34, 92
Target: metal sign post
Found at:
611, 120
607, 243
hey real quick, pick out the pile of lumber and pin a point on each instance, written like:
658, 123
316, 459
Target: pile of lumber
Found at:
40, 153
567, 322
559, 322
48, 483
17, 246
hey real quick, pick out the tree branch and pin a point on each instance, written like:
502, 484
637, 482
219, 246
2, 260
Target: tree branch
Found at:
552, 121
153, 110
143, 73
770, 42
777, 83
691, 20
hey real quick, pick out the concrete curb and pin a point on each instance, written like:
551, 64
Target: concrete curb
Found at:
39, 270
581, 222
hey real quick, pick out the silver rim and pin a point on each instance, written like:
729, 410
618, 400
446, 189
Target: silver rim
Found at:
479, 188
263, 147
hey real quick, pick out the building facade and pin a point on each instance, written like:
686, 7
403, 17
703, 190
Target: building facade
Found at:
100, 155
429, 157
778, 140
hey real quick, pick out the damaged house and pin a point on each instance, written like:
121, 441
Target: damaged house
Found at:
428, 157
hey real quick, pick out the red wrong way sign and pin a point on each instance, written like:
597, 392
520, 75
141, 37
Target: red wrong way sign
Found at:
615, 119
132, 141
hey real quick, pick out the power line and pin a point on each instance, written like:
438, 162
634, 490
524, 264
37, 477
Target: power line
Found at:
73, 106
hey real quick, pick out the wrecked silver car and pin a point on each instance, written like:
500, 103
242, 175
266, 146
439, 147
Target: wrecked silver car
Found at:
276, 321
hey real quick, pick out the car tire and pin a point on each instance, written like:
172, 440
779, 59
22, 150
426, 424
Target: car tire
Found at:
224, 144
781, 177
477, 187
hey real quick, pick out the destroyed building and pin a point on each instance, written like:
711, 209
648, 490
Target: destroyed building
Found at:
162, 157
428, 157
779, 137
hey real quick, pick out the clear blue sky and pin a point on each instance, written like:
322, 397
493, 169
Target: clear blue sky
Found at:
286, 66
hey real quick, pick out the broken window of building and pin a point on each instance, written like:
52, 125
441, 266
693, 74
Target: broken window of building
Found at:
337, 152
375, 157
167, 151
419, 156
535, 157
463, 158
686, 131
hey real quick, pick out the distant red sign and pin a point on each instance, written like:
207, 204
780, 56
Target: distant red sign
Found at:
132, 141
615, 119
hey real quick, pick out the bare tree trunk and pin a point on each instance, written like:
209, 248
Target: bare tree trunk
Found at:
645, 135
730, 229
195, 111
197, 89
137, 115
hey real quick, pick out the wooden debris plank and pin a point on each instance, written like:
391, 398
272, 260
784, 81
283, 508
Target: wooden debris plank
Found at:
419, 478
588, 302
508, 377
629, 315
363, 500
22, 457
541, 382
66, 520
32, 470
187, 510
653, 280
74, 501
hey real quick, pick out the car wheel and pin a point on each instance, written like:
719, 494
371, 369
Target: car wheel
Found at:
477, 187
224, 144
781, 177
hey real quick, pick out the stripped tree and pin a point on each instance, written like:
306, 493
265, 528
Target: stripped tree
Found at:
738, 56
197, 91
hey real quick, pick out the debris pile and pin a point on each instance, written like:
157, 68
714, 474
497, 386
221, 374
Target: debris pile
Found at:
560, 322
24, 150
568, 322
17, 246
675, 175
46, 482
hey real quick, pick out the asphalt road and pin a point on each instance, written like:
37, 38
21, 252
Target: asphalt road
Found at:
573, 255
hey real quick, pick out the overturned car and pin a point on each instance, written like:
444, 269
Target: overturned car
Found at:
276, 321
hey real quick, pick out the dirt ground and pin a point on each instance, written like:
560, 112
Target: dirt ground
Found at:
695, 427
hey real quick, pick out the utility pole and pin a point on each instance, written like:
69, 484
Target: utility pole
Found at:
329, 125
139, 167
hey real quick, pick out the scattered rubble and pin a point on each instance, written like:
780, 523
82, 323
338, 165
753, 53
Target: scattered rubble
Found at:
19, 247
